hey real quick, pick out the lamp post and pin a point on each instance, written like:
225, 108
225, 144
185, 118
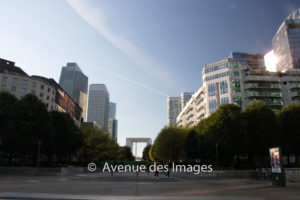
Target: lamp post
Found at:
38, 155
217, 159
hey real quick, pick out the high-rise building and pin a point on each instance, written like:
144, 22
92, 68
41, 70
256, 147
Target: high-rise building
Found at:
185, 97
75, 83
98, 105
112, 110
15, 81
286, 43
240, 81
174, 108
112, 121
113, 128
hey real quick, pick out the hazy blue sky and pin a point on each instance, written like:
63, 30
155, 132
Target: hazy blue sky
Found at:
143, 50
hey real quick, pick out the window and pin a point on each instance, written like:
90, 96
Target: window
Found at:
223, 87
47, 105
217, 76
4, 78
212, 106
212, 89
41, 94
235, 73
42, 87
3, 87
33, 84
236, 85
32, 92
215, 68
24, 82
23, 90
14, 80
47, 97
225, 100
13, 88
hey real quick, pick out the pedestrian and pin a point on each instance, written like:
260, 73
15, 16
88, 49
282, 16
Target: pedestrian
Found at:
156, 172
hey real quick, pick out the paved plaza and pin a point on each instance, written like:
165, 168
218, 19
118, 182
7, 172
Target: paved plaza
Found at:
129, 186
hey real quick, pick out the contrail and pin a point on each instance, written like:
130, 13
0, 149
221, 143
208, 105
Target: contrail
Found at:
126, 79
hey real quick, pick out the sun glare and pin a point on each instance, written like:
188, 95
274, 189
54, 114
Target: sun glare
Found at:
271, 61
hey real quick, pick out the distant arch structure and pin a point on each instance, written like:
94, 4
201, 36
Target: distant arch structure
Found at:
131, 141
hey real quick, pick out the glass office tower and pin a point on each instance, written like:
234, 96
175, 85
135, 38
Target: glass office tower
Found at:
286, 43
75, 83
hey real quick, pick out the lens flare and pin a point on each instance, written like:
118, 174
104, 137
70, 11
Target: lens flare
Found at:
271, 61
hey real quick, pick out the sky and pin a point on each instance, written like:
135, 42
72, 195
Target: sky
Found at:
142, 50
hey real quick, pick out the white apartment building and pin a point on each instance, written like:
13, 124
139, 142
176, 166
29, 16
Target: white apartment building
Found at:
194, 110
240, 79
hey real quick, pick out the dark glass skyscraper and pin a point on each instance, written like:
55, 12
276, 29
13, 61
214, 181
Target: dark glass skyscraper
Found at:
286, 42
75, 83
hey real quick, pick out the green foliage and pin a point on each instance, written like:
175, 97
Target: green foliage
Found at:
125, 153
191, 145
169, 144
97, 145
33, 124
8, 109
25, 123
65, 138
243, 138
146, 153
262, 130
289, 119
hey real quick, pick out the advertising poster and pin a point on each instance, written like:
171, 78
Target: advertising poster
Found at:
275, 160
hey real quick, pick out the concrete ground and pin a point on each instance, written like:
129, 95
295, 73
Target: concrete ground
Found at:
128, 186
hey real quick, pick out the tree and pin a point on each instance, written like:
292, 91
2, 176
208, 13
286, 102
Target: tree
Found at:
261, 129
191, 146
32, 123
169, 144
289, 120
125, 153
146, 153
97, 145
65, 138
8, 131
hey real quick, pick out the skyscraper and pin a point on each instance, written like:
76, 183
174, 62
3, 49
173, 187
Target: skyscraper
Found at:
185, 97
174, 108
112, 110
75, 83
286, 43
112, 121
98, 105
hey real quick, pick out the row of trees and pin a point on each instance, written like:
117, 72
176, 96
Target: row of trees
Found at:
26, 126
239, 139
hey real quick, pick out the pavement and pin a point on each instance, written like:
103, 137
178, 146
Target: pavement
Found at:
143, 187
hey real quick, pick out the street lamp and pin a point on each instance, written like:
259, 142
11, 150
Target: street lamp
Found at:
38, 155
217, 159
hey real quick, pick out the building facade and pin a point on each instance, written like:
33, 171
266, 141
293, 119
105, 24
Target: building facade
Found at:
112, 121
174, 108
75, 83
185, 97
98, 105
15, 81
194, 110
240, 82
286, 43
113, 128
112, 110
